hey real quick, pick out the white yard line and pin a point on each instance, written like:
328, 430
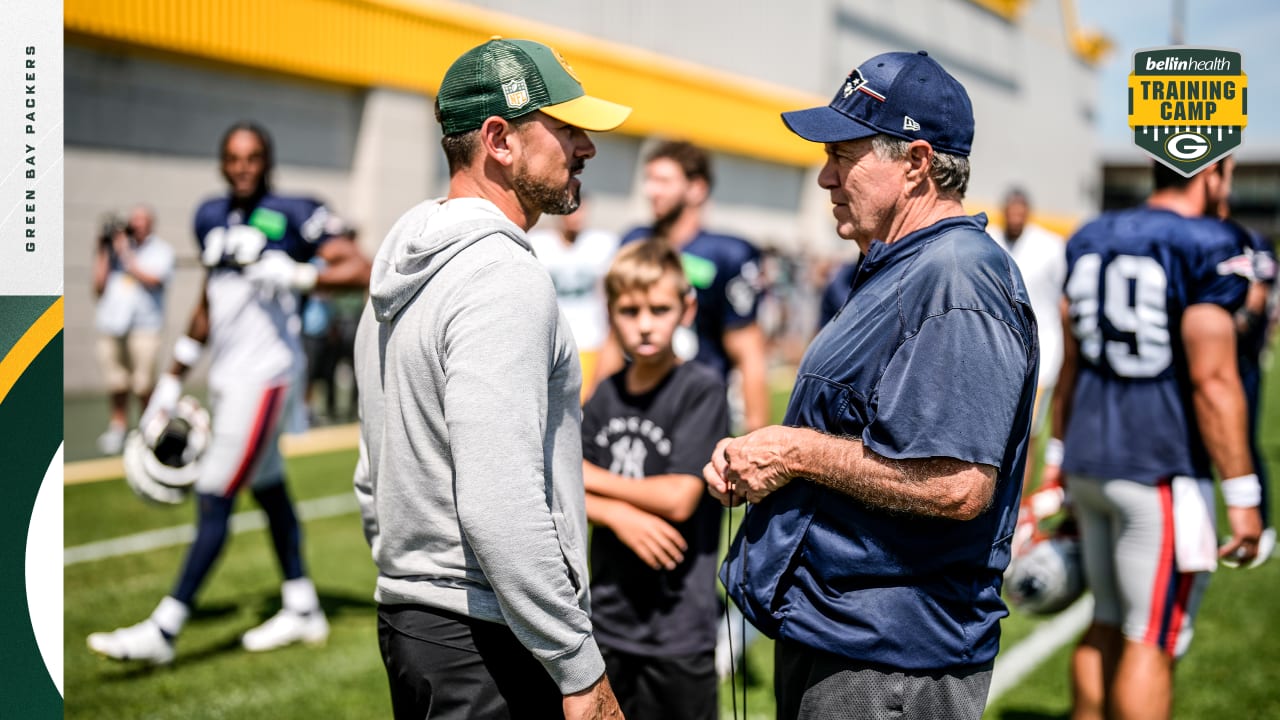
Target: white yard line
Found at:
1017, 662
324, 507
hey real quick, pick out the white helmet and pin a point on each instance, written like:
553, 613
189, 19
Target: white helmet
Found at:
1046, 578
162, 459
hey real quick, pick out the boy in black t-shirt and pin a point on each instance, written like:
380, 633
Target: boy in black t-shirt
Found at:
647, 432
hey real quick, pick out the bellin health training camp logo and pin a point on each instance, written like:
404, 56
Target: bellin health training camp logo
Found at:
1187, 106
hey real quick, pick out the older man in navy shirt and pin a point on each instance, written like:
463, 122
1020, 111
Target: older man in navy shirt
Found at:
884, 504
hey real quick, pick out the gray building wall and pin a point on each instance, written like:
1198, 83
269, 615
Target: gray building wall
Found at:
1029, 90
144, 127
144, 130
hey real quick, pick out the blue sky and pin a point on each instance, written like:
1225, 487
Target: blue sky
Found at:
1250, 26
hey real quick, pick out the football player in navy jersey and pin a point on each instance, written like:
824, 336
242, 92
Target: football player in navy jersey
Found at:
261, 250
724, 271
1149, 398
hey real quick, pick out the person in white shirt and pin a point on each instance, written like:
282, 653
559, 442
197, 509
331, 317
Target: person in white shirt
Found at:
577, 259
1041, 256
130, 271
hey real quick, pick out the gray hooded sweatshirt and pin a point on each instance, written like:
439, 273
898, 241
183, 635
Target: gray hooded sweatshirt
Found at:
470, 470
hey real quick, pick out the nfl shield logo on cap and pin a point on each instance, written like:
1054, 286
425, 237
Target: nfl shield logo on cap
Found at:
517, 93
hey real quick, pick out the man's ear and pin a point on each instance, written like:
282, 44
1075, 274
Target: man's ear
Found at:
690, 308
498, 139
698, 193
919, 159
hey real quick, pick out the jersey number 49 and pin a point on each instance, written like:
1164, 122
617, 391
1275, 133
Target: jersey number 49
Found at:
1129, 294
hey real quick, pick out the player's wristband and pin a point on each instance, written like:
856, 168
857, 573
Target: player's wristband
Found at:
1053, 452
187, 350
305, 276
1242, 492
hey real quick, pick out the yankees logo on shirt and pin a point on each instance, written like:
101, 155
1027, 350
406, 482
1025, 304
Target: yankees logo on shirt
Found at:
628, 440
628, 457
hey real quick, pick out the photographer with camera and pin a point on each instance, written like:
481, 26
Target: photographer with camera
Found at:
130, 271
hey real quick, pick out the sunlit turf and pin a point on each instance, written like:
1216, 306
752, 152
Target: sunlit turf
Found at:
1229, 673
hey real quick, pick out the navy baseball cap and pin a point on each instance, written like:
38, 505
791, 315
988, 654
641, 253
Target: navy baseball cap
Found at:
906, 95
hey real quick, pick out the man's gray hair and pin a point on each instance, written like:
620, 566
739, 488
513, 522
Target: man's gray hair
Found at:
949, 172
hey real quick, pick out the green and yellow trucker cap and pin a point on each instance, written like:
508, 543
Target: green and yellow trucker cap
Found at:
510, 78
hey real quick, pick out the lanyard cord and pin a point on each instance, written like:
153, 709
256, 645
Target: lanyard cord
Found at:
728, 621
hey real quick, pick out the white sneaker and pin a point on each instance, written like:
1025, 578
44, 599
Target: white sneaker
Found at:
285, 628
143, 641
111, 442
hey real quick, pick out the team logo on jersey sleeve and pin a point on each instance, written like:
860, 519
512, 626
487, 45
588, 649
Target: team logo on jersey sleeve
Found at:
1245, 265
517, 93
1187, 106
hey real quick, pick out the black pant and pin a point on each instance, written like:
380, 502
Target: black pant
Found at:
682, 687
445, 666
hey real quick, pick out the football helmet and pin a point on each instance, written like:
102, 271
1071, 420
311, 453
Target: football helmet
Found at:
162, 458
1048, 577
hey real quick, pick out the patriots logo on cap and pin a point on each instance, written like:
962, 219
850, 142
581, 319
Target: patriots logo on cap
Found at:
858, 83
517, 93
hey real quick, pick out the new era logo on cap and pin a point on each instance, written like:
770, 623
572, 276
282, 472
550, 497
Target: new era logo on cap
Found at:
905, 95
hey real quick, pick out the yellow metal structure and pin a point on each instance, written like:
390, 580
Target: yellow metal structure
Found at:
1007, 9
1089, 45
388, 43
407, 45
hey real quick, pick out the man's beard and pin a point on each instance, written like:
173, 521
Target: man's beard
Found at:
545, 197
253, 197
662, 223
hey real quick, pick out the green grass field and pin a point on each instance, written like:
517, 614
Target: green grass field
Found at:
1230, 672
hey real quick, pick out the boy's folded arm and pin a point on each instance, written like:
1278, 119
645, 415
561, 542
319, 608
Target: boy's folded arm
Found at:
672, 497
654, 540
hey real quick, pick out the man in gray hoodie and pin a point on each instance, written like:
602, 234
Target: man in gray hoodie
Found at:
470, 471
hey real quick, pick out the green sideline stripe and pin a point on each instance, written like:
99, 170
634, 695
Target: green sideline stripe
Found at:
30, 433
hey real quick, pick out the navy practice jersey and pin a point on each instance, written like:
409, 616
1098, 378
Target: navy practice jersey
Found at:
934, 354
671, 429
295, 225
725, 273
1130, 277
253, 335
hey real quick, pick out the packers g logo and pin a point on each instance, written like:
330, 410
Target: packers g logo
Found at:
565, 64
1187, 146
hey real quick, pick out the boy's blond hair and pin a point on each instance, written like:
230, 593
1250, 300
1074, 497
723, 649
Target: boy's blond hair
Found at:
640, 265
